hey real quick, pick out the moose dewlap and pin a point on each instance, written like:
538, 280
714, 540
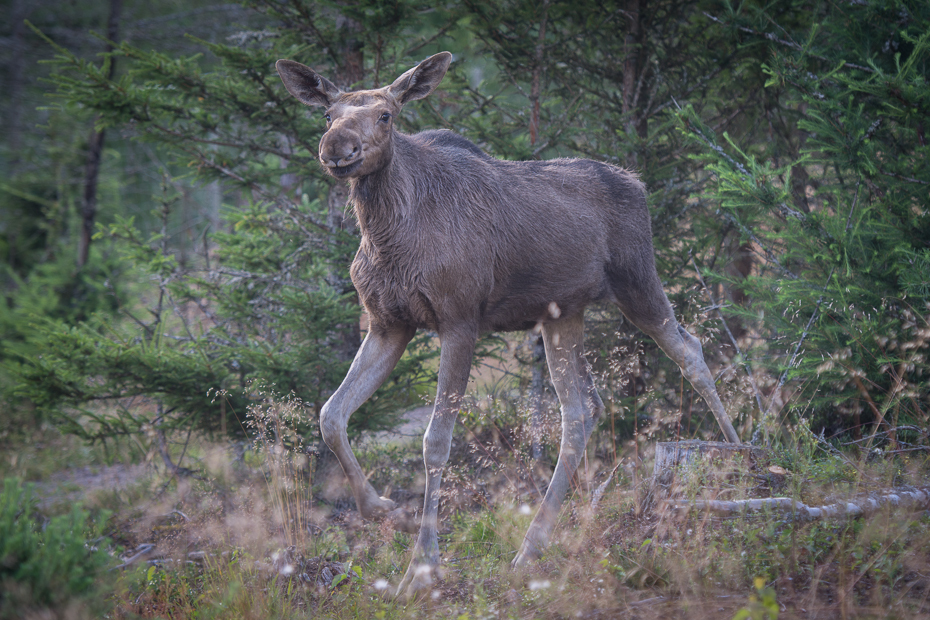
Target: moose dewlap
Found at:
458, 242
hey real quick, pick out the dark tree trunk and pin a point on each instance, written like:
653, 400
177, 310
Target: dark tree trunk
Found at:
346, 338
349, 71
633, 67
537, 75
14, 84
537, 396
94, 152
739, 268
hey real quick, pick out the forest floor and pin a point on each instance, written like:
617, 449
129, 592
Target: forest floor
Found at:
258, 534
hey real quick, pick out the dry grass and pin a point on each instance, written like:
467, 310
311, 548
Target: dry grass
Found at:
270, 532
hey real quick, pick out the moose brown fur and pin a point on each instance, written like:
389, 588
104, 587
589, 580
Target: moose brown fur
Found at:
461, 243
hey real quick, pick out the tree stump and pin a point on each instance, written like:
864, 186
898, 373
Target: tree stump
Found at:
672, 456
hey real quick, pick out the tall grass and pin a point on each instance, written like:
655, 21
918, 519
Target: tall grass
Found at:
266, 533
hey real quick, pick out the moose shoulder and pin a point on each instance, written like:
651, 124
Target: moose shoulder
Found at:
462, 243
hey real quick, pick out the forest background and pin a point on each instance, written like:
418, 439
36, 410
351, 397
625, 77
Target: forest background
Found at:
172, 253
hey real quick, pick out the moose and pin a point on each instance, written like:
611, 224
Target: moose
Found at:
461, 243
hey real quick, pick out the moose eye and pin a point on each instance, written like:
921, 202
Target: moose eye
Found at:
385, 117
328, 118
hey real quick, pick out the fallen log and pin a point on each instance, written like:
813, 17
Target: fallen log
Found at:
905, 498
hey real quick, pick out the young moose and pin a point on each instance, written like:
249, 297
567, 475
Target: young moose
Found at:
460, 243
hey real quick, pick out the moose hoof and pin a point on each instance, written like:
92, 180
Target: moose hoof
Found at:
403, 520
528, 554
417, 581
377, 507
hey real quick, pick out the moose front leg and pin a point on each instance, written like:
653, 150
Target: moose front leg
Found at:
373, 363
454, 367
581, 407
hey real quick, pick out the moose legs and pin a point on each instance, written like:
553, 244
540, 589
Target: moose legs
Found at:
581, 407
685, 350
642, 300
455, 359
373, 363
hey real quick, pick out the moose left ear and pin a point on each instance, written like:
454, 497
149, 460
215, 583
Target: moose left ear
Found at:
423, 79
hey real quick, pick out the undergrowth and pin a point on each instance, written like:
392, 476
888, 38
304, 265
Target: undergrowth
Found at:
49, 564
268, 529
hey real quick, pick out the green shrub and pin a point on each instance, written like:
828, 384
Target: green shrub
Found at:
46, 566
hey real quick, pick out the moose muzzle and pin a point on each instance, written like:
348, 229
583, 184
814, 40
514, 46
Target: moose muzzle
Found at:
340, 152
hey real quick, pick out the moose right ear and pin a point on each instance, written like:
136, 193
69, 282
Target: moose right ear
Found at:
306, 84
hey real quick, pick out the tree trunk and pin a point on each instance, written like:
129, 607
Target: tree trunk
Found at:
537, 396
739, 267
95, 150
347, 338
537, 75
633, 66
349, 72
672, 455
14, 83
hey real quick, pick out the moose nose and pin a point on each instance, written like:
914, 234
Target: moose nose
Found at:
339, 154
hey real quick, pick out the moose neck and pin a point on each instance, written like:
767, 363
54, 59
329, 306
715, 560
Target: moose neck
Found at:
384, 199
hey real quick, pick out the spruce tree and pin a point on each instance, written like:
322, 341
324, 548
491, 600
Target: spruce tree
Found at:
266, 307
840, 298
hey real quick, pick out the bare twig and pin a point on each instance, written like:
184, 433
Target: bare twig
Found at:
602, 487
235, 145
903, 178
141, 551
410, 50
162, 445
886, 432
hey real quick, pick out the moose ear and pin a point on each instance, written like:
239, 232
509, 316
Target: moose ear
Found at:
422, 79
305, 84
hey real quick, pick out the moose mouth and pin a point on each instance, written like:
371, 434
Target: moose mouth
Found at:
344, 171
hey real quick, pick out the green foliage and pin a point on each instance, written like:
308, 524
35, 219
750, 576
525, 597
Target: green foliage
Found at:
783, 145
477, 535
763, 605
47, 565
839, 293
267, 301
38, 276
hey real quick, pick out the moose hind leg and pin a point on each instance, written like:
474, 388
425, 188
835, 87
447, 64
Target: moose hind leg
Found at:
640, 297
581, 408
685, 350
